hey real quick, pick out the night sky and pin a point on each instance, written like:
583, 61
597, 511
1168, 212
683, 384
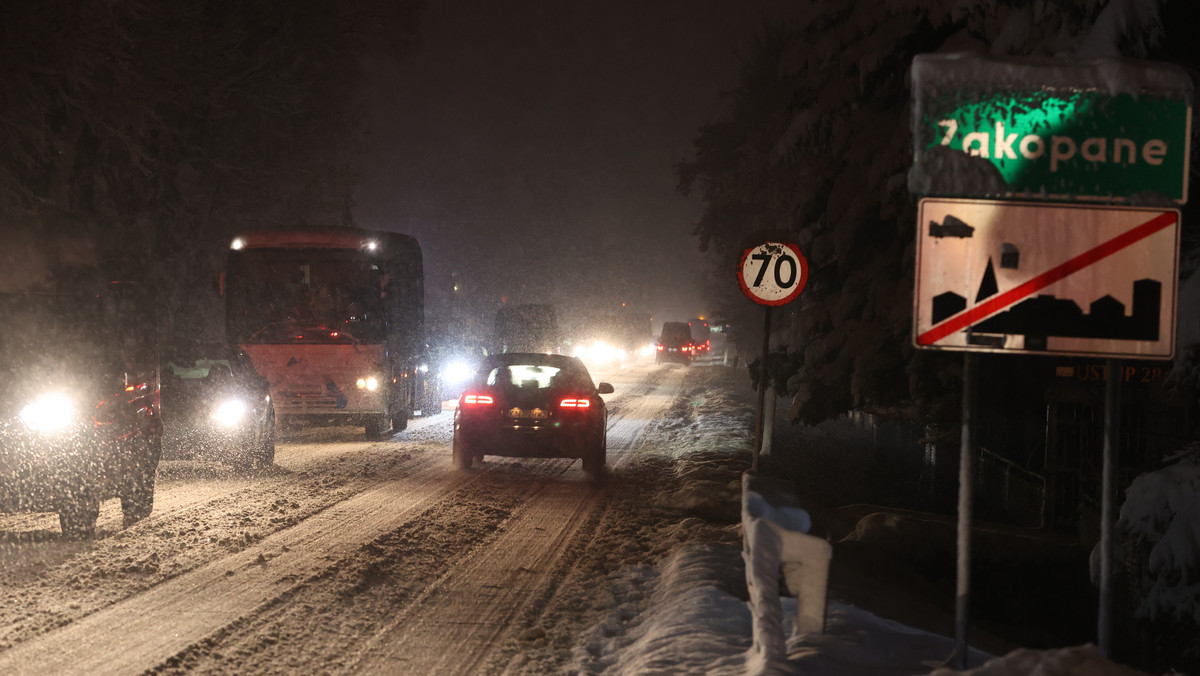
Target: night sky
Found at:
530, 146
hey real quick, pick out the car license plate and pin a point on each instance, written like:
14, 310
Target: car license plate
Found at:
535, 413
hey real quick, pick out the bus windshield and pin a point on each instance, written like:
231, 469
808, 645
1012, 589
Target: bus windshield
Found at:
338, 290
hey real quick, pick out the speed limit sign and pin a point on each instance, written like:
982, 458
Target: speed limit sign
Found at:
772, 273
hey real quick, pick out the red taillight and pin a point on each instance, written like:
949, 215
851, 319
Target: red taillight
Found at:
575, 403
660, 347
478, 399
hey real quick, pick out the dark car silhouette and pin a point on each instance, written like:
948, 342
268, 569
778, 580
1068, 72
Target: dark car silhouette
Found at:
216, 406
528, 405
675, 344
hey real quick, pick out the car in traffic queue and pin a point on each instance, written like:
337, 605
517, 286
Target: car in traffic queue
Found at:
79, 416
701, 337
675, 344
532, 405
215, 406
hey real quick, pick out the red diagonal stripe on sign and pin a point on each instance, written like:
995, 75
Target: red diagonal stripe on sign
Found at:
997, 303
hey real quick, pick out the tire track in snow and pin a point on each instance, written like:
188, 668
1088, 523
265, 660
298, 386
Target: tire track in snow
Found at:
224, 595
453, 626
200, 603
460, 621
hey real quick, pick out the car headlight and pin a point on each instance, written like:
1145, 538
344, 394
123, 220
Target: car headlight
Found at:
456, 373
230, 413
370, 383
49, 413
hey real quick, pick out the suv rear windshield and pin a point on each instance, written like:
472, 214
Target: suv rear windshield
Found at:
676, 333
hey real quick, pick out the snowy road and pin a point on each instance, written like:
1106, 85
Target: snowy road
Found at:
350, 556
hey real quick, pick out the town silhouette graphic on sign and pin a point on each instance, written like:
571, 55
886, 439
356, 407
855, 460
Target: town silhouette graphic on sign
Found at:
1048, 315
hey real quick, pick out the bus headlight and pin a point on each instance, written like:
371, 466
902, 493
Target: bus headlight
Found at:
49, 413
230, 413
370, 383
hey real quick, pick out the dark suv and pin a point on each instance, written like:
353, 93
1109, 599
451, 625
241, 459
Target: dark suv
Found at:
215, 406
675, 343
79, 416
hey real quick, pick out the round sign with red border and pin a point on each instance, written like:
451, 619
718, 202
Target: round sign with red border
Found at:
772, 273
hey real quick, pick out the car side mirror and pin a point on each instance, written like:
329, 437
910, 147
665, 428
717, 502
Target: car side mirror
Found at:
604, 388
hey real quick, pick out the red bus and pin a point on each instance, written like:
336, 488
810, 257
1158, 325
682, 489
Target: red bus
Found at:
333, 318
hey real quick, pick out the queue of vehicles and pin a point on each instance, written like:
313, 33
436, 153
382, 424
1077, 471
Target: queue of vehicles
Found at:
324, 325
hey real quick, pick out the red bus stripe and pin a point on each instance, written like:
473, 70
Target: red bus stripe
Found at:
1017, 293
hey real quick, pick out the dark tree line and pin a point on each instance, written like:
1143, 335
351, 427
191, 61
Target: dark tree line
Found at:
156, 125
816, 140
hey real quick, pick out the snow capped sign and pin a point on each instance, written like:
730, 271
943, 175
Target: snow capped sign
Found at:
1036, 278
1101, 129
772, 273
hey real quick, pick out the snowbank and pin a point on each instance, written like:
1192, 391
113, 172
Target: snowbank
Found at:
689, 625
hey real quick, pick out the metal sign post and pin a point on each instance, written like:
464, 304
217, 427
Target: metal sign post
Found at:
760, 409
771, 272
1108, 498
966, 457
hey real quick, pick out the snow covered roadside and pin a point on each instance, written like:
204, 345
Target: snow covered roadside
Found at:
688, 612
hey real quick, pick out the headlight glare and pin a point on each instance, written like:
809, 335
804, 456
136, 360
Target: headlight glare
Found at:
456, 373
230, 413
369, 383
49, 413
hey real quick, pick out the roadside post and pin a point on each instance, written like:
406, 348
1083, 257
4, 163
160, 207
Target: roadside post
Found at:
771, 272
1047, 225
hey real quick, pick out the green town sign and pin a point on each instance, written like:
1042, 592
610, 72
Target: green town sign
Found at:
1050, 129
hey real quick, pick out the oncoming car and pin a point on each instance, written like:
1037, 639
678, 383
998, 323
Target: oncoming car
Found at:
527, 405
79, 416
215, 406
452, 362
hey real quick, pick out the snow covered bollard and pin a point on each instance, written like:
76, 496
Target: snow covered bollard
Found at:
775, 538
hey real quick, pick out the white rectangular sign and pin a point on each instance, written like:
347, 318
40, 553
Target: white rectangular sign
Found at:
1050, 279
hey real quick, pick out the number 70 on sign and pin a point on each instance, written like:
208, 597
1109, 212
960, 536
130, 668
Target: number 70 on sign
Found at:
772, 273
